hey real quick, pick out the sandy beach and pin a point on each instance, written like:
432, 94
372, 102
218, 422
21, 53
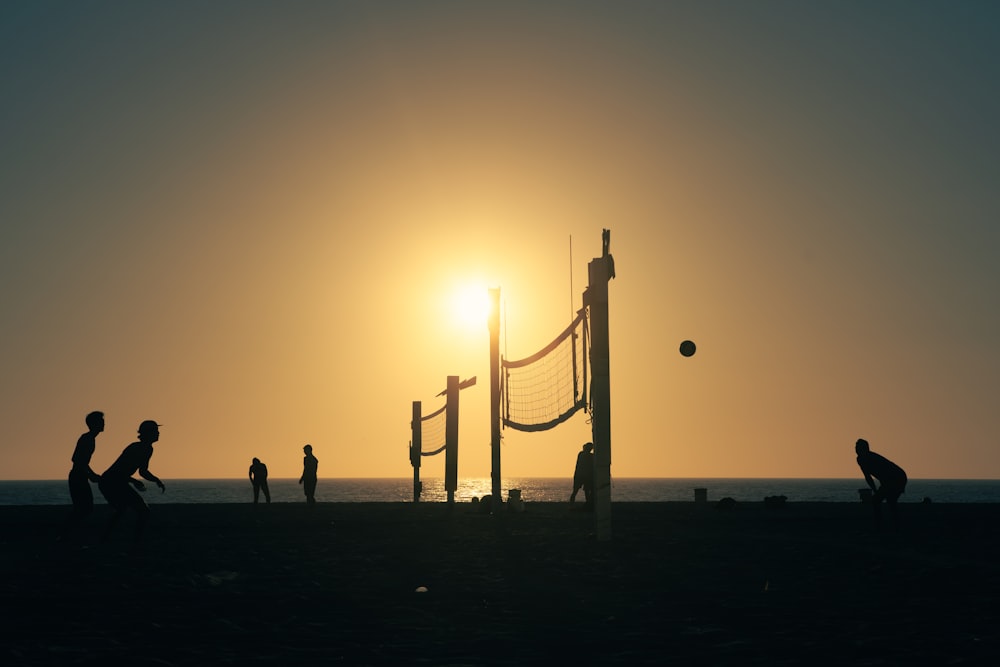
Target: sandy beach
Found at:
402, 583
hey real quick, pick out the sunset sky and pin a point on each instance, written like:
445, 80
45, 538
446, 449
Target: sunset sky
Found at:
249, 221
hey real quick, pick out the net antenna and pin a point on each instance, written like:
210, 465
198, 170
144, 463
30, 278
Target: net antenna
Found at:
571, 295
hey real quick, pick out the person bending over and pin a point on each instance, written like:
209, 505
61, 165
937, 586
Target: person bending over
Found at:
892, 480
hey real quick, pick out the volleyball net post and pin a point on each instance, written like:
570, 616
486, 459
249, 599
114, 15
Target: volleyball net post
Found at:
416, 449
451, 439
600, 272
451, 434
494, 326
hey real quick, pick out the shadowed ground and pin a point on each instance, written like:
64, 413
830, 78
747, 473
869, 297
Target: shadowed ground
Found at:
809, 583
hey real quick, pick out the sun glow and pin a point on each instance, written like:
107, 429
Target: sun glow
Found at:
470, 307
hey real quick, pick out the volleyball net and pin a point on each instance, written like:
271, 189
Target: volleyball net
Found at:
544, 390
432, 432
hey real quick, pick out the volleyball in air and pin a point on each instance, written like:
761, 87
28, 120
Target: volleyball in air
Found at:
688, 348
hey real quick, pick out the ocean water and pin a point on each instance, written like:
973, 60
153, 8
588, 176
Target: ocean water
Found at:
55, 492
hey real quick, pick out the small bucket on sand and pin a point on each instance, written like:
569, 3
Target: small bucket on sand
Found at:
701, 496
514, 502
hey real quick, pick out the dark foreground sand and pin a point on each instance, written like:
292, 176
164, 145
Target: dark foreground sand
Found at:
678, 583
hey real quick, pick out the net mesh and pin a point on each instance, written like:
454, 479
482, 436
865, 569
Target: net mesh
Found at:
544, 390
432, 432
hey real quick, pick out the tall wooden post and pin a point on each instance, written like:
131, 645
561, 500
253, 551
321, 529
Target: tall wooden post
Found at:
601, 270
416, 448
451, 439
494, 324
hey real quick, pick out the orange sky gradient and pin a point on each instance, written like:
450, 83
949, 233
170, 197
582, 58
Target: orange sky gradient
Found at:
248, 223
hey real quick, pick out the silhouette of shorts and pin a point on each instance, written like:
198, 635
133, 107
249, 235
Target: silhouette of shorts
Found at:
121, 495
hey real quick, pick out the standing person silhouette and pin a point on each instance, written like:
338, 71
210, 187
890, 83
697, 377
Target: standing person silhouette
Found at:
308, 480
258, 477
81, 474
583, 475
892, 480
117, 482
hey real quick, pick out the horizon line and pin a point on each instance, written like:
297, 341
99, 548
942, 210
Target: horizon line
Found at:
409, 479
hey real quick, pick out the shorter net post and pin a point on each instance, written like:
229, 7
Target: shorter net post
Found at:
494, 326
416, 449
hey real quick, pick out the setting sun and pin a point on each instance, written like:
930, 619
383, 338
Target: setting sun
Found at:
470, 307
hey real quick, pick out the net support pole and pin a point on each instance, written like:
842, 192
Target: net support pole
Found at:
601, 270
416, 448
451, 439
494, 325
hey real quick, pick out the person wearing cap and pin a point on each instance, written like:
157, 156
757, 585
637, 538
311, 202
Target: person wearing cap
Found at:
308, 480
892, 480
119, 487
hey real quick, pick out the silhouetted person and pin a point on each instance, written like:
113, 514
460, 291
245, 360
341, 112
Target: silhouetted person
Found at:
119, 487
892, 480
258, 477
583, 475
308, 480
81, 475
